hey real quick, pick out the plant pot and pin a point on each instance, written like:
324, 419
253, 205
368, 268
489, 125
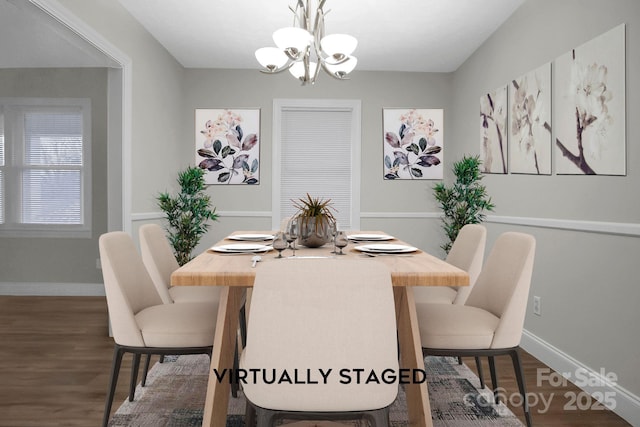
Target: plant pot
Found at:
311, 236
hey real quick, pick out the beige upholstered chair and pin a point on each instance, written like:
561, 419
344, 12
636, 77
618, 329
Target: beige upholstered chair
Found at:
140, 321
467, 253
491, 321
321, 314
160, 263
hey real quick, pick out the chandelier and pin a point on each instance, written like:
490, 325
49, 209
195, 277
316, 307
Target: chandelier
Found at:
303, 48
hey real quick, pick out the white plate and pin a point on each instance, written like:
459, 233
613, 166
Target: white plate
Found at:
386, 248
240, 248
369, 237
251, 237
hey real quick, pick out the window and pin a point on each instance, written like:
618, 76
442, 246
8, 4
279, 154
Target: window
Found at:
317, 151
45, 180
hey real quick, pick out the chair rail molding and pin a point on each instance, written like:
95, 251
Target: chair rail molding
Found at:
605, 227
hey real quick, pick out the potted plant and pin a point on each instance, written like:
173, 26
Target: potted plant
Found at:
187, 213
464, 202
314, 219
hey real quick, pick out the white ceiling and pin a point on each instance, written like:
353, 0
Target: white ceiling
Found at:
393, 35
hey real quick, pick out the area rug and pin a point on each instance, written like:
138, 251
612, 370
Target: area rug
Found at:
175, 392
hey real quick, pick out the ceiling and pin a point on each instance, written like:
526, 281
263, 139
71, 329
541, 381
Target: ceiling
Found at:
393, 35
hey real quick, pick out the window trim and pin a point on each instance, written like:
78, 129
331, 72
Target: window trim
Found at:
11, 228
321, 104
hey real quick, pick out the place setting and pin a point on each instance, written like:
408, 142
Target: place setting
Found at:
241, 248
369, 237
380, 249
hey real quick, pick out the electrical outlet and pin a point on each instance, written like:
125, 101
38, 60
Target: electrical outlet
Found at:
536, 306
98, 265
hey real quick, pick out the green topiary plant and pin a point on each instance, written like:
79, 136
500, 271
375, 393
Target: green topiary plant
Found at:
464, 202
187, 213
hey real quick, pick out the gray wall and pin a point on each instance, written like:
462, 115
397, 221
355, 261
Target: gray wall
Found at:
376, 90
587, 281
54, 259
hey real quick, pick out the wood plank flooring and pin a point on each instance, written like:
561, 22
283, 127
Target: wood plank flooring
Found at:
56, 356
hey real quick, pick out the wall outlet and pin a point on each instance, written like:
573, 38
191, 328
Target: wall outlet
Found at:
536, 306
98, 265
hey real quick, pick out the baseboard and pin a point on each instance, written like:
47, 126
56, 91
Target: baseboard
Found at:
51, 289
597, 384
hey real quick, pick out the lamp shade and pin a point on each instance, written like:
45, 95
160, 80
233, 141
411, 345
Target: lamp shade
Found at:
338, 45
344, 68
297, 70
271, 58
290, 38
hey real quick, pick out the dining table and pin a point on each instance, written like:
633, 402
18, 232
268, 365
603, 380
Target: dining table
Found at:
235, 273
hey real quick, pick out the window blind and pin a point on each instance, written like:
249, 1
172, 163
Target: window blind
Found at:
51, 180
316, 159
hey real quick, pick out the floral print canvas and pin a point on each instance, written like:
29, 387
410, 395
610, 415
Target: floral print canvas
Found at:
530, 122
493, 131
590, 107
413, 142
228, 146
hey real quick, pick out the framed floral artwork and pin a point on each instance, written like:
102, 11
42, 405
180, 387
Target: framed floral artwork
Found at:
412, 143
228, 145
493, 131
589, 107
530, 122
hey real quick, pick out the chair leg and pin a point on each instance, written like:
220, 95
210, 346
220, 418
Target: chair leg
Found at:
480, 371
236, 366
113, 381
146, 370
494, 378
378, 418
517, 367
249, 415
134, 376
459, 360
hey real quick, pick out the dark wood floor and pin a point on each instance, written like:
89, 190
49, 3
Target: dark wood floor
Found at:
56, 356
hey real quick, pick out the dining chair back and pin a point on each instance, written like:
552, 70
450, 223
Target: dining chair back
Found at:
466, 253
158, 258
308, 315
503, 286
160, 262
141, 322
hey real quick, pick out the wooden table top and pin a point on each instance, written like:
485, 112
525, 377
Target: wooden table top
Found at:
217, 269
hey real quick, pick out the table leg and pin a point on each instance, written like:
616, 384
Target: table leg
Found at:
418, 407
217, 400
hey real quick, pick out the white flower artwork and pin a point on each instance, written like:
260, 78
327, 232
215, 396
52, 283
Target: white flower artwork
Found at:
493, 131
590, 107
530, 122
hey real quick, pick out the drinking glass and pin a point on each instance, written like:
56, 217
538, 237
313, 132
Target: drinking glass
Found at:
341, 241
333, 232
279, 244
291, 234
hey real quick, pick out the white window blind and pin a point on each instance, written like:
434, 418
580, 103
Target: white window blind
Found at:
316, 158
51, 179
45, 178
